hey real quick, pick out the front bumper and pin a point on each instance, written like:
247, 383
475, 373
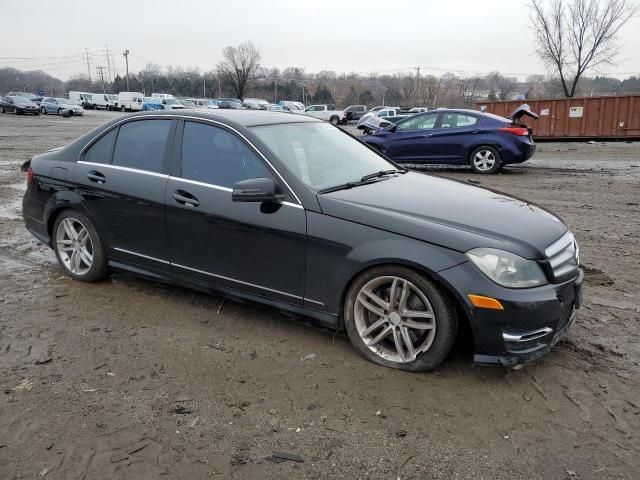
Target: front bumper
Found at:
532, 322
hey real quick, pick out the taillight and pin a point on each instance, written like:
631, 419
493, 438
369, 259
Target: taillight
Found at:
520, 131
29, 176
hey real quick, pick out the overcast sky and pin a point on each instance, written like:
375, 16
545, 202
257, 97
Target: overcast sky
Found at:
385, 36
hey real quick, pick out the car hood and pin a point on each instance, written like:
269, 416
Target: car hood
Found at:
449, 213
26, 104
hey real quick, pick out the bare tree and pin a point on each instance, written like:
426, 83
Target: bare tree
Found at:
580, 36
238, 66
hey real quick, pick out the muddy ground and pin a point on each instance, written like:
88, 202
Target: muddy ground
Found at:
130, 379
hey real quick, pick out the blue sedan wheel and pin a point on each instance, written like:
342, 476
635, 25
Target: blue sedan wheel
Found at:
485, 160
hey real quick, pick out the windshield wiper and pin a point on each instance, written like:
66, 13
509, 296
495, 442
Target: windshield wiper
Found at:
370, 178
381, 173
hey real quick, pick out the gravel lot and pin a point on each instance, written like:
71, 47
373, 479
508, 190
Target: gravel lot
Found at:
131, 379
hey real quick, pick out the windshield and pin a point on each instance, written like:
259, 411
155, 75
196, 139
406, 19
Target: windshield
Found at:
65, 101
21, 100
172, 101
112, 97
319, 154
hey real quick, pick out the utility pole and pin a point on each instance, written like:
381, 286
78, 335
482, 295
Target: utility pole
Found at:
106, 51
100, 69
417, 82
126, 59
88, 65
275, 90
219, 85
204, 87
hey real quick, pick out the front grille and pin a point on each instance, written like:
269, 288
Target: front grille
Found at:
563, 256
567, 312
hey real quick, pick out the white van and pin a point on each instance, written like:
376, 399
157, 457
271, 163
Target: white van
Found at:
99, 100
79, 98
130, 101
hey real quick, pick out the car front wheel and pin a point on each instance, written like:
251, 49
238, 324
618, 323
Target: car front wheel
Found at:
485, 160
43, 110
78, 247
400, 319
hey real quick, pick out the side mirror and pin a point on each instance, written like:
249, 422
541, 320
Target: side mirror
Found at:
390, 128
255, 190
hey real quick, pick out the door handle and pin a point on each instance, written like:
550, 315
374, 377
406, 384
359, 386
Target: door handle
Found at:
97, 177
185, 198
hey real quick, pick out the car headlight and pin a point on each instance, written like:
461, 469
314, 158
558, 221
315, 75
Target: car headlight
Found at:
506, 268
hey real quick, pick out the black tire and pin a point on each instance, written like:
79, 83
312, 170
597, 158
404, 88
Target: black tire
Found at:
98, 270
59, 111
123, 109
43, 110
16, 111
446, 321
489, 168
334, 120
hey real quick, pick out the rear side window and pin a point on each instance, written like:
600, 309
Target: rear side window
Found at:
456, 120
100, 151
141, 144
215, 156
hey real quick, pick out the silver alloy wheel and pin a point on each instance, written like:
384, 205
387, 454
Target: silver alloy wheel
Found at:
394, 319
484, 160
74, 246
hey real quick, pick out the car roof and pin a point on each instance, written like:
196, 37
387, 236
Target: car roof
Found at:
245, 118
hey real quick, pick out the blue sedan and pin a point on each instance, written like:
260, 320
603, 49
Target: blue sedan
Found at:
484, 141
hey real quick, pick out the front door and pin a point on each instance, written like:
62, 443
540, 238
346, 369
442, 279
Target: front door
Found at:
258, 248
411, 140
122, 177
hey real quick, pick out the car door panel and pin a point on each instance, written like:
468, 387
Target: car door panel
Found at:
254, 247
128, 202
453, 140
416, 142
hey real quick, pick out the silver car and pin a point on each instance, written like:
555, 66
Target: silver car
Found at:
58, 105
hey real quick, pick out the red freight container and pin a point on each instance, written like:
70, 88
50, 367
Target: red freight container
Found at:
612, 117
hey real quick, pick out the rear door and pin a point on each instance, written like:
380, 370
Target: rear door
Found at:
123, 176
258, 248
411, 140
456, 136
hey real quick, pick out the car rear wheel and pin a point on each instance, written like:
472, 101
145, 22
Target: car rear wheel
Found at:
123, 109
485, 160
398, 318
334, 120
78, 247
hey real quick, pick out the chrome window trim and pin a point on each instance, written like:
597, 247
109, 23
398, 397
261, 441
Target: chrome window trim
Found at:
212, 274
314, 301
208, 120
125, 169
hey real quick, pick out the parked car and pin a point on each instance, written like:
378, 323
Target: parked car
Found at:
79, 98
162, 95
229, 103
18, 105
484, 141
255, 103
313, 222
172, 104
29, 96
152, 103
59, 105
327, 113
99, 100
273, 107
189, 103
293, 106
112, 101
355, 112
381, 118
130, 101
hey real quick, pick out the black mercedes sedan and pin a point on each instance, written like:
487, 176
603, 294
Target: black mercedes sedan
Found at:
292, 212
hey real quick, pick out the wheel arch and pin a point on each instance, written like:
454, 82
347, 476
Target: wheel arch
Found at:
448, 289
59, 203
